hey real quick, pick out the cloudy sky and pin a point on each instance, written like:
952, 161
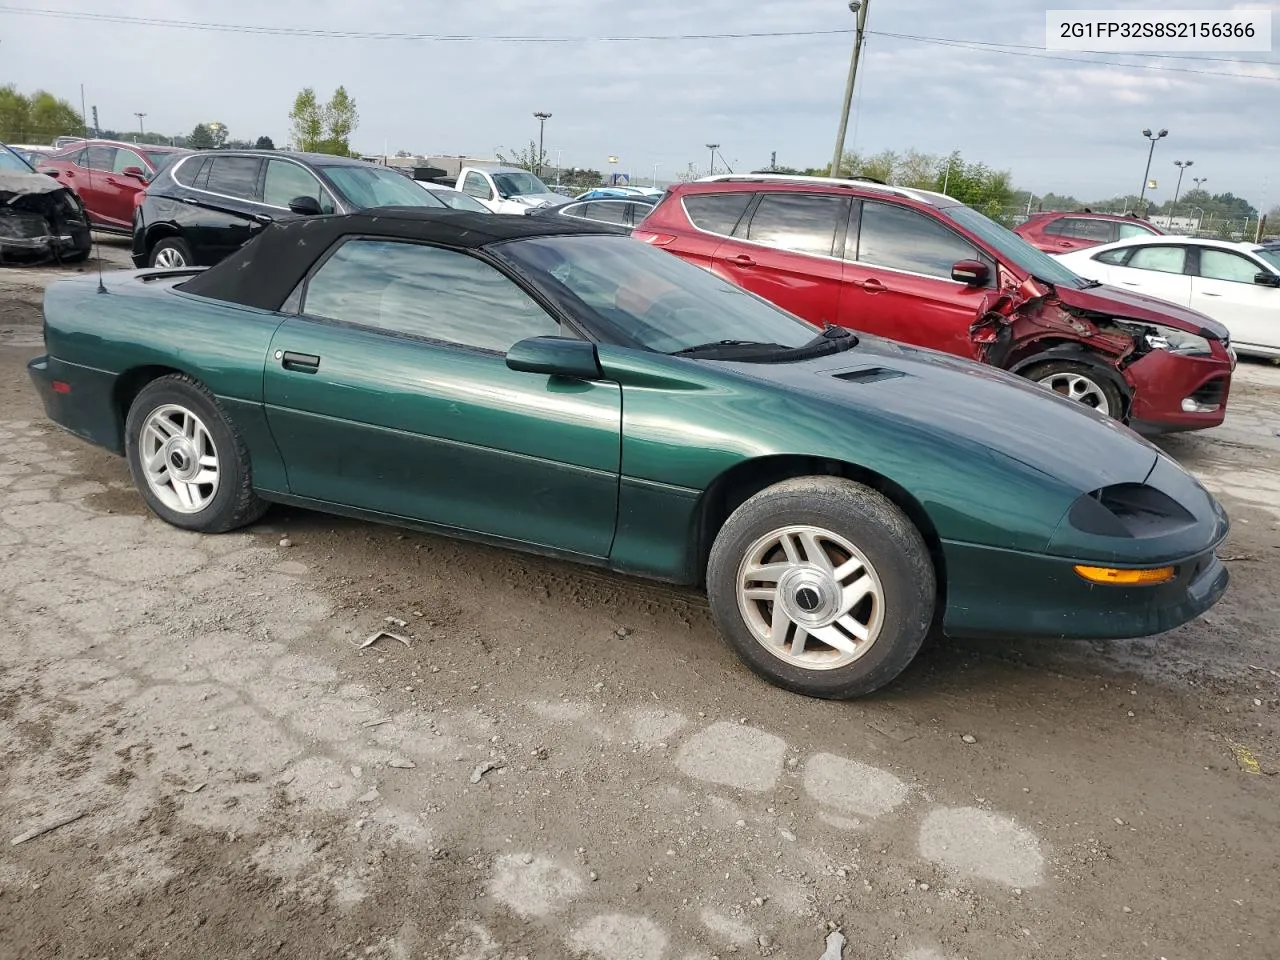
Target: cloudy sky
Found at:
1058, 125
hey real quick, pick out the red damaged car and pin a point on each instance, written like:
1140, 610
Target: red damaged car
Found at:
1062, 232
108, 177
924, 269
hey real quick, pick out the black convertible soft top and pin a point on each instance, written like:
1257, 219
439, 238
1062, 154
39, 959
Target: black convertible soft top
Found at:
266, 270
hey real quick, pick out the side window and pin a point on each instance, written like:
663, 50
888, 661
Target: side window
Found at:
475, 185
185, 171
637, 213
202, 175
100, 158
234, 177
1159, 259
800, 222
575, 211
1224, 265
1098, 231
716, 212
425, 292
287, 181
1113, 257
127, 158
902, 239
80, 158
606, 211
1128, 230
1058, 228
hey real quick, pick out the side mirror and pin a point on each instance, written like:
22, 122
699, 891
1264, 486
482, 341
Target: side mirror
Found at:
974, 273
136, 172
1267, 279
555, 357
305, 206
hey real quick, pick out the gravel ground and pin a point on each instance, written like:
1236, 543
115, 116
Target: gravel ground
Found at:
557, 762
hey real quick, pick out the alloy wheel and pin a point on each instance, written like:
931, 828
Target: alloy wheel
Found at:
1079, 388
179, 459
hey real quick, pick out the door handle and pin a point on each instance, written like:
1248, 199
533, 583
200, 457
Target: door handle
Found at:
1206, 293
742, 260
871, 285
262, 217
298, 362
189, 200
1063, 243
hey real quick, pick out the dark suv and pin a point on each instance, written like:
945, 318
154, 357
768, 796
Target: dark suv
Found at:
204, 206
924, 269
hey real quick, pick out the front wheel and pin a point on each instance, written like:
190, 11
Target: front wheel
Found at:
187, 458
1081, 383
822, 586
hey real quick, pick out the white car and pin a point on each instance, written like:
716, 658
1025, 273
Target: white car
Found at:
1237, 284
506, 189
453, 197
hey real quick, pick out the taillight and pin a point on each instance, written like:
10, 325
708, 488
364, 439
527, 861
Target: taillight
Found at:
657, 239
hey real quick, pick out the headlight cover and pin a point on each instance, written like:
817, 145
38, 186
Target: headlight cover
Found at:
1160, 337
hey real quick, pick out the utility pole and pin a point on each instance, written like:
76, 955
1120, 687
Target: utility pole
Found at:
654, 183
713, 147
773, 161
542, 117
1153, 138
858, 7
97, 132
84, 117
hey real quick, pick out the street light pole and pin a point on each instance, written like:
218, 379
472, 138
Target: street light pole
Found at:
1182, 166
654, 183
1199, 180
713, 147
860, 8
1150, 153
140, 116
542, 117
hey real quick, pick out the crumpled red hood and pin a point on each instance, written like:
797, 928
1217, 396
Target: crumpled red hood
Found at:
1125, 304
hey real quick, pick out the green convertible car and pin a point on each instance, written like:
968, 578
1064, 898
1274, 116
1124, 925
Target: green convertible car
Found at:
543, 386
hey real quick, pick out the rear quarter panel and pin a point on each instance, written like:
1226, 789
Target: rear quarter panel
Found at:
140, 328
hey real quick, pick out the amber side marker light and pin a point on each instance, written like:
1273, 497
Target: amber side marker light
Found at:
1126, 578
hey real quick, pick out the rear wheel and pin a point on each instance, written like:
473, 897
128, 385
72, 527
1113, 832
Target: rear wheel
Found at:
187, 458
822, 586
1081, 383
171, 253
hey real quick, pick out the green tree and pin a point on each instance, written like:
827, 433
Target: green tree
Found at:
264, 143
201, 138
525, 159
38, 118
341, 119
324, 128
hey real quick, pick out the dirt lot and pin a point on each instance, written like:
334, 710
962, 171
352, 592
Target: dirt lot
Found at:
562, 763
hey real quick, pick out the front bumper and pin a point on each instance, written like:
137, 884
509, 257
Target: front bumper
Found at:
1003, 593
1174, 392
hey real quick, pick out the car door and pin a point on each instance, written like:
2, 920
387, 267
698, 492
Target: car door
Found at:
116, 190
286, 181
785, 251
1223, 286
1157, 270
476, 185
389, 392
91, 182
897, 278
713, 216
230, 207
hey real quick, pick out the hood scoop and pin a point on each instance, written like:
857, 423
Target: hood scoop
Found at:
868, 375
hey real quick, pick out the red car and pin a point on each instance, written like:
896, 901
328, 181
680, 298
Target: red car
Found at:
1060, 232
107, 176
923, 269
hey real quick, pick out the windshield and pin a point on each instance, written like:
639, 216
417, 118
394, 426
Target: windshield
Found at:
162, 158
519, 184
1014, 249
11, 160
1270, 255
647, 297
459, 200
372, 186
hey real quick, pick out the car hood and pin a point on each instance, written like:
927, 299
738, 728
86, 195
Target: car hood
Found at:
972, 404
14, 183
1129, 305
537, 199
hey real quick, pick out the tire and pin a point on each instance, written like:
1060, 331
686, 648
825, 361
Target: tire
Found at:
875, 551
1082, 383
174, 251
202, 454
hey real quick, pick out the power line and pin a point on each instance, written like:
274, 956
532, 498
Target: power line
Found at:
987, 48
1028, 46
365, 35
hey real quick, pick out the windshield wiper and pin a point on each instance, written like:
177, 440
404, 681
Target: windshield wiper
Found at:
716, 346
830, 340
